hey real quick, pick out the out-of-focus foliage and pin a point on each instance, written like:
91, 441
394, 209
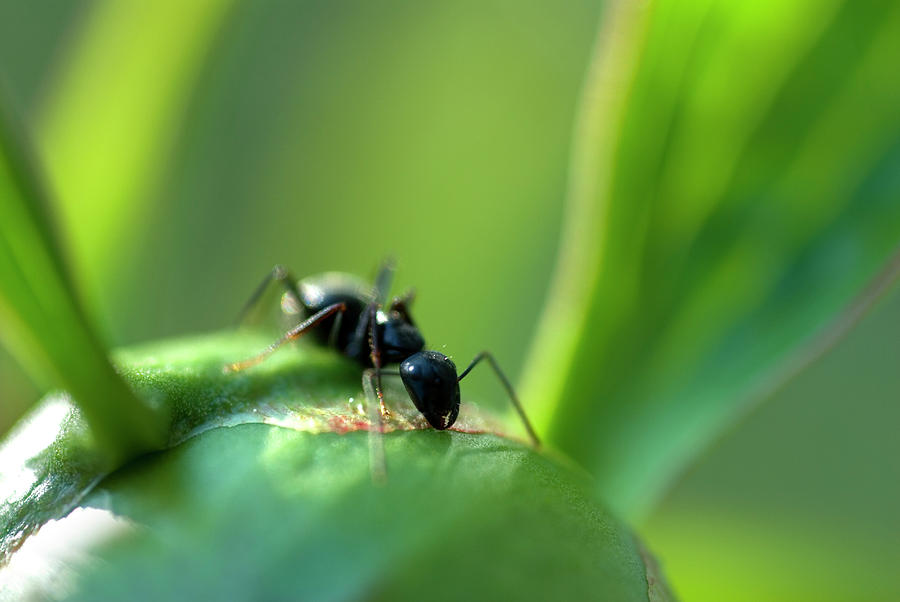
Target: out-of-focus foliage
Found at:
297, 501
40, 319
30, 38
326, 135
112, 116
733, 194
804, 495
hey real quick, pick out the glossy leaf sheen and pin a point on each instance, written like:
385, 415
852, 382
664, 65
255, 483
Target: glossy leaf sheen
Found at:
732, 194
286, 507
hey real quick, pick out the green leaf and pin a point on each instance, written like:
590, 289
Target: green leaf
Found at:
49, 460
718, 546
734, 189
40, 319
282, 504
460, 513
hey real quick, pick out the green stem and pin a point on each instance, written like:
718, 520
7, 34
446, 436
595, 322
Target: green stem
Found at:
42, 322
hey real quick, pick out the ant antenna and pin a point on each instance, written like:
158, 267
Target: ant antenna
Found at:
509, 390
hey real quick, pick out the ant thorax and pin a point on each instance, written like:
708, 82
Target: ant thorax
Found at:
321, 290
398, 338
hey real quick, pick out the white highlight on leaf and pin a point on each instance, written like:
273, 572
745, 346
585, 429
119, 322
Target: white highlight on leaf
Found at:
29, 438
47, 564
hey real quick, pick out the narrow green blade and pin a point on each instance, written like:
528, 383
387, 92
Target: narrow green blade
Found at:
735, 188
40, 319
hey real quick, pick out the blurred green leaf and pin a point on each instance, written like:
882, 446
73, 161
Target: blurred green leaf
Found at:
734, 189
296, 512
814, 470
40, 319
112, 115
440, 111
723, 554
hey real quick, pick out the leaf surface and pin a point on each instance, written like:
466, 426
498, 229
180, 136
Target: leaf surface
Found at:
267, 492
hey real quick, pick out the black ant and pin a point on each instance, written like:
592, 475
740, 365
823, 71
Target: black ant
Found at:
343, 313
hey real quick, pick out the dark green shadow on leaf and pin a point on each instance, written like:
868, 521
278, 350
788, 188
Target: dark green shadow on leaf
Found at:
296, 516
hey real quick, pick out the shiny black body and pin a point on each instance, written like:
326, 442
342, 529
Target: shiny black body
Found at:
319, 292
398, 337
343, 313
429, 377
432, 383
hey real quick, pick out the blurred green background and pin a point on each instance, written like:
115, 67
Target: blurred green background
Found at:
311, 135
199, 146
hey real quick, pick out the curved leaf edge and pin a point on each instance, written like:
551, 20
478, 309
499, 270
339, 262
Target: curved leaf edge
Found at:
51, 459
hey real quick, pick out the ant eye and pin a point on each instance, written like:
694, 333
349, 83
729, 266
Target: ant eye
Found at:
430, 379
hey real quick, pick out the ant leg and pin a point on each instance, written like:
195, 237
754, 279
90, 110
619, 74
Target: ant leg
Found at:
335, 329
290, 335
375, 355
361, 332
509, 389
280, 275
377, 463
402, 303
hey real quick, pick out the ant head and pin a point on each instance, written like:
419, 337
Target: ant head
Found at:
430, 379
399, 338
